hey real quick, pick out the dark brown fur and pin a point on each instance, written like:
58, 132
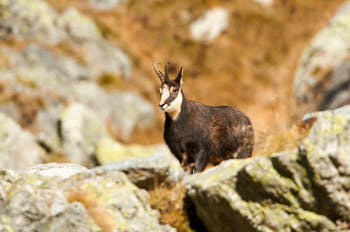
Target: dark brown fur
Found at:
208, 134
203, 134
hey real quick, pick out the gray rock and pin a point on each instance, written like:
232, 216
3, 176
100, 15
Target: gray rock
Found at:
81, 131
33, 19
37, 21
105, 58
79, 27
18, 148
60, 79
148, 170
304, 189
41, 69
51, 170
47, 122
322, 77
40, 200
210, 25
128, 111
326, 151
123, 110
105, 4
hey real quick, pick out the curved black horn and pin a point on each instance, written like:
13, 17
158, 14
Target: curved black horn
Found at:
159, 73
166, 69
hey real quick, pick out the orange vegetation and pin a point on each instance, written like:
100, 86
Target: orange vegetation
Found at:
251, 65
94, 207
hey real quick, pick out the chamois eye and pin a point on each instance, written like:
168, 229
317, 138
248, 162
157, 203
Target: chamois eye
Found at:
173, 89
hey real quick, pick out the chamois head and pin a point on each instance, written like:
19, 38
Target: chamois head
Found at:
170, 91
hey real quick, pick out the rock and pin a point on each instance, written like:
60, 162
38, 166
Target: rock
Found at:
123, 110
145, 166
210, 25
80, 131
304, 189
18, 148
130, 111
326, 152
33, 19
79, 27
59, 79
37, 21
38, 68
47, 124
85, 201
104, 58
57, 170
322, 77
105, 4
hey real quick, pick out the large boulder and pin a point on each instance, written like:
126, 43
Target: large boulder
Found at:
304, 189
18, 148
322, 79
66, 197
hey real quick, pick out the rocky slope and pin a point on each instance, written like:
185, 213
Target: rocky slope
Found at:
305, 189
322, 77
68, 197
56, 67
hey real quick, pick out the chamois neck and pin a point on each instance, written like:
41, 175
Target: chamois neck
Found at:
180, 107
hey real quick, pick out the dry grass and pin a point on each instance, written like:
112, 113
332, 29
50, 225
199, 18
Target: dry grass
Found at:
69, 49
169, 201
285, 138
250, 66
93, 206
56, 158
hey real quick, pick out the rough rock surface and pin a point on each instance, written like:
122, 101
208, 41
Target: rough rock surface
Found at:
65, 197
81, 131
18, 148
60, 79
210, 25
35, 20
322, 79
304, 189
145, 166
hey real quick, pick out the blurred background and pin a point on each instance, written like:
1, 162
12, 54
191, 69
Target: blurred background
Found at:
75, 71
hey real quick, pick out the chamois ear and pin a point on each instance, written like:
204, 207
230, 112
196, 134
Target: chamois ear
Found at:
178, 78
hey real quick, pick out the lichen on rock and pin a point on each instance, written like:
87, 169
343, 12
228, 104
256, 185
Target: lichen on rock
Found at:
87, 201
304, 189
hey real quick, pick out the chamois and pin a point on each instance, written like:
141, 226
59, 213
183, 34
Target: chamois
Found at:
201, 134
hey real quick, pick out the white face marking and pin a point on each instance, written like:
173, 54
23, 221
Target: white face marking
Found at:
174, 108
165, 94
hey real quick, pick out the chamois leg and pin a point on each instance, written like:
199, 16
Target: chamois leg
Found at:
200, 162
